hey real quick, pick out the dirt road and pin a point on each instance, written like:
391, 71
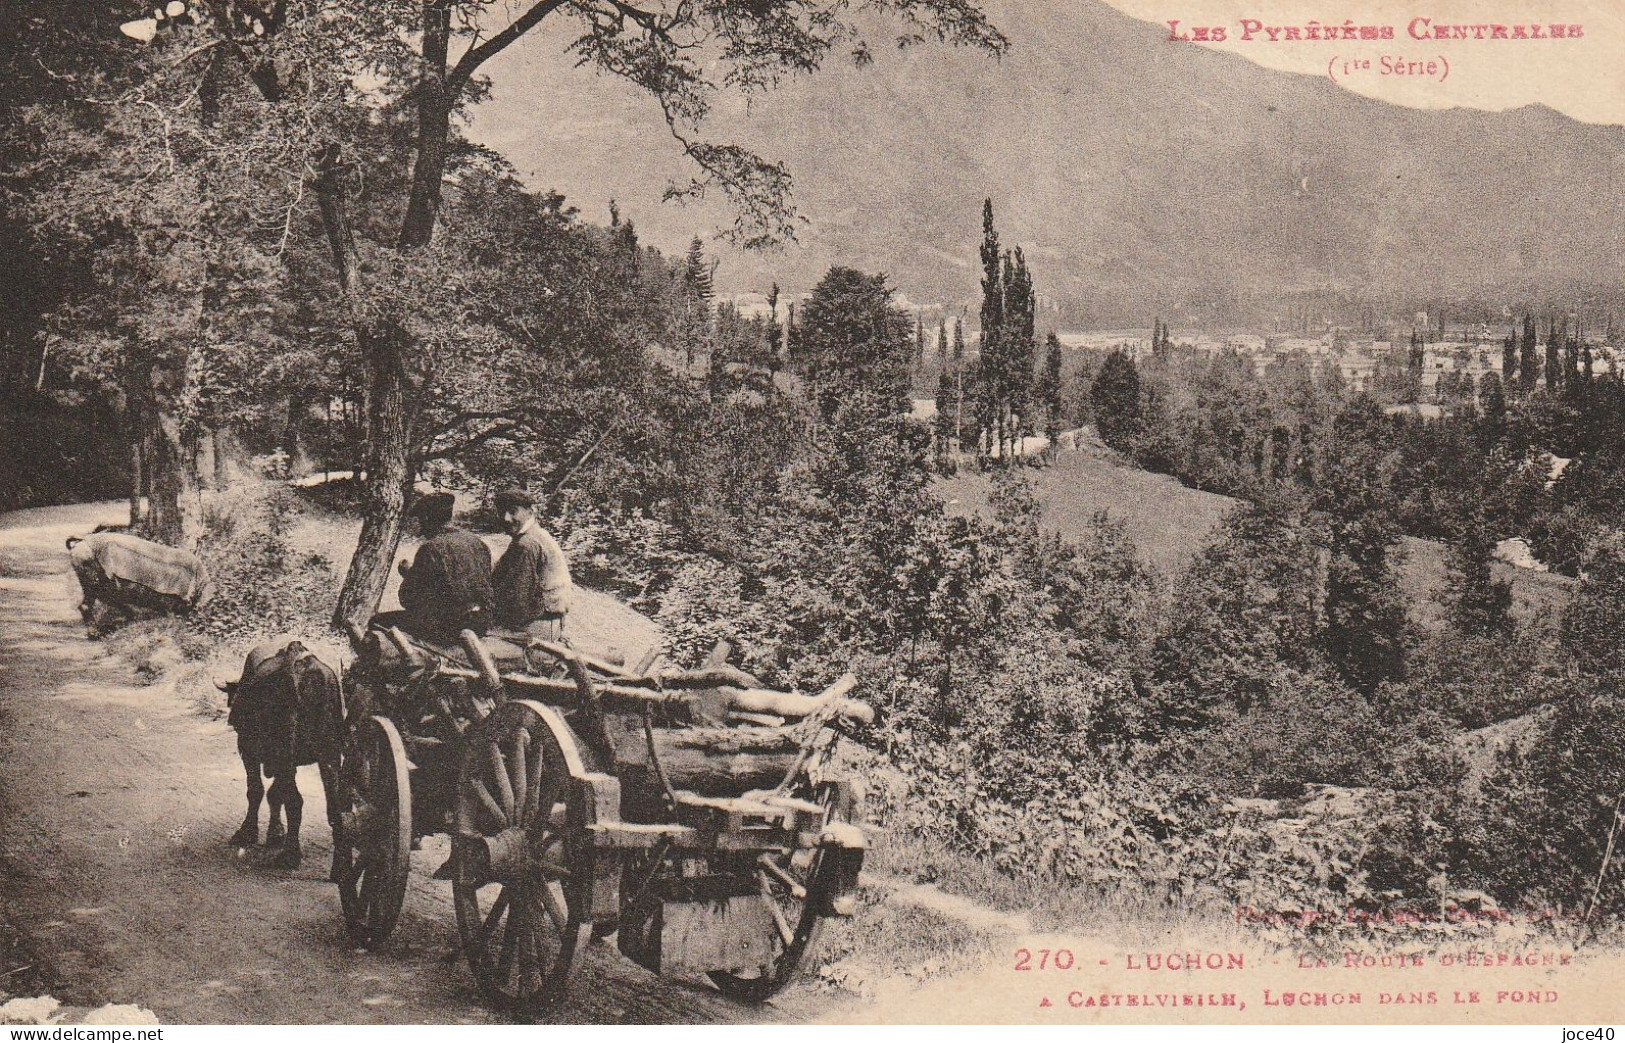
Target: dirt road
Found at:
115, 800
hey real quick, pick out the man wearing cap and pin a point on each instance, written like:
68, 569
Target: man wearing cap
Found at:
447, 588
532, 581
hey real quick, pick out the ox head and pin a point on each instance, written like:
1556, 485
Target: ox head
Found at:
263, 662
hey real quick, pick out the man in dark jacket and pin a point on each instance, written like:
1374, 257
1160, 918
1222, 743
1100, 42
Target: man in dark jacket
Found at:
532, 581
448, 586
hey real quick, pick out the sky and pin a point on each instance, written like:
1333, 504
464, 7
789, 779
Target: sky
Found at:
1583, 78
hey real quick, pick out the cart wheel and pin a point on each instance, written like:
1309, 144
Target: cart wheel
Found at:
798, 919
520, 858
374, 856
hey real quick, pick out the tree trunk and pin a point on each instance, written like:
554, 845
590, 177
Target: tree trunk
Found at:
434, 128
203, 460
172, 505
434, 120
217, 441
291, 432
136, 481
389, 475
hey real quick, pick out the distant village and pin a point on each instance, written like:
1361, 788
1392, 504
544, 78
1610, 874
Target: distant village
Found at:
1453, 366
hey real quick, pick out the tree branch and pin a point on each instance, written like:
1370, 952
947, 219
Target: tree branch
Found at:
459, 419
470, 62
447, 451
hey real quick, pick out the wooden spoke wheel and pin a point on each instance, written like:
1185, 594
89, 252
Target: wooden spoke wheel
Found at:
375, 842
520, 857
793, 884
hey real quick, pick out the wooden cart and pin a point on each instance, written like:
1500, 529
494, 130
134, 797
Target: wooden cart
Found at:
690, 813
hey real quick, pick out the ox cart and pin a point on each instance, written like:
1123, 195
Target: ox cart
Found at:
692, 814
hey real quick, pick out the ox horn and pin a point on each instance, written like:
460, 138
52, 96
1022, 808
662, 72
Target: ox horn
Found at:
224, 686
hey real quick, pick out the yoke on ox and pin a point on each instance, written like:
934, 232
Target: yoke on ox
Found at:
288, 709
126, 572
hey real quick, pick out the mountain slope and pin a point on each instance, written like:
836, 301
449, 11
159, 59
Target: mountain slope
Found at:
1130, 168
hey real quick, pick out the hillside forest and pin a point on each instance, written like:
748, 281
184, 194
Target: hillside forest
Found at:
260, 246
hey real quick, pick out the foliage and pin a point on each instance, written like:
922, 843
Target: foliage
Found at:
1246, 607
1543, 831
852, 338
1004, 367
1476, 601
1115, 396
1367, 629
263, 586
1595, 619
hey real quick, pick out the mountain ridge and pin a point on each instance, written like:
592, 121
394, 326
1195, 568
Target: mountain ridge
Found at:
1132, 170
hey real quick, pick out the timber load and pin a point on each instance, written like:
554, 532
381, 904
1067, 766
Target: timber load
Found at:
698, 815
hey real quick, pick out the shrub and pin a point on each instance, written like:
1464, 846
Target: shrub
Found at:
261, 588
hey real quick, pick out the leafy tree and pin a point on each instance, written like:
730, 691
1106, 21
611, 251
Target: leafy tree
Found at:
1005, 361
1017, 349
852, 338
1367, 632
1554, 358
1413, 374
1492, 407
1476, 602
1589, 641
773, 349
1247, 607
1048, 391
1115, 396
990, 353
1528, 357
693, 293
330, 78
943, 423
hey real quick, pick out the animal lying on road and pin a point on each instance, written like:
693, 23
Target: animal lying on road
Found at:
126, 572
288, 710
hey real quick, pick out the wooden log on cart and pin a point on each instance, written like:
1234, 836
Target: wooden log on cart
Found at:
708, 676
708, 761
481, 658
789, 705
726, 761
792, 705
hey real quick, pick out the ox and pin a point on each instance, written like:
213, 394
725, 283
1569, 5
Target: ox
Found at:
126, 573
288, 710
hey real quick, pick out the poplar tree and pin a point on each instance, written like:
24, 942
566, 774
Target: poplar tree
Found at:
1017, 348
990, 353
1554, 358
1050, 393
774, 338
1413, 376
943, 427
1528, 357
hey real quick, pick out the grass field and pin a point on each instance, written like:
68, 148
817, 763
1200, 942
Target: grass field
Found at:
1171, 523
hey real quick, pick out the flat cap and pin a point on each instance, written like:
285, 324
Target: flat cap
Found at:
513, 496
